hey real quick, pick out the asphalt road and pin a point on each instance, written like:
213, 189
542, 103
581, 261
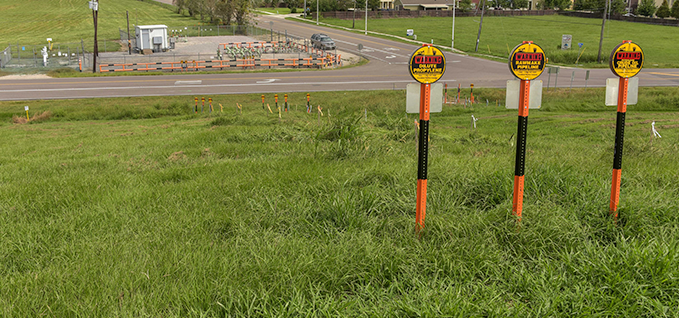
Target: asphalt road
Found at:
387, 69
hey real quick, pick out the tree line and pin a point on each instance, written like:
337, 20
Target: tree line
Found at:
226, 12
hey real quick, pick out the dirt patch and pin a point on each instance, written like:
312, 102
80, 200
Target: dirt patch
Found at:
179, 155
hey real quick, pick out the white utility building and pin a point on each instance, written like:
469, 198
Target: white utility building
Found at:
152, 37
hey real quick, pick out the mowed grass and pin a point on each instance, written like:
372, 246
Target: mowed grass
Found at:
138, 207
280, 10
501, 34
32, 21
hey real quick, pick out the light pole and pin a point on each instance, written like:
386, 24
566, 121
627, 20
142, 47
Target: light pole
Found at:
452, 42
317, 12
353, 23
305, 9
366, 17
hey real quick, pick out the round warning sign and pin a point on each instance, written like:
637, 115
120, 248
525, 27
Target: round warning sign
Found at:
627, 59
527, 61
427, 64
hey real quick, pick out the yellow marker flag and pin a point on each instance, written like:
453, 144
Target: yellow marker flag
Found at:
267, 106
221, 108
320, 110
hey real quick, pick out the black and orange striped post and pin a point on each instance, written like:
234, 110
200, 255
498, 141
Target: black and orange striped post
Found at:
196, 108
471, 93
308, 105
275, 96
202, 106
286, 102
526, 62
422, 156
427, 65
520, 161
263, 102
626, 61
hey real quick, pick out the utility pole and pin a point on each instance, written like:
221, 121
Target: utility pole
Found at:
601, 38
353, 23
478, 37
366, 17
452, 42
305, 9
129, 44
94, 5
317, 12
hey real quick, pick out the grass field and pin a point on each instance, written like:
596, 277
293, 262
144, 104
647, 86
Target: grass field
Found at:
137, 207
502, 34
32, 21
279, 10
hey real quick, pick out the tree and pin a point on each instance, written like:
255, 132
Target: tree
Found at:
646, 8
663, 10
559, 4
464, 5
675, 9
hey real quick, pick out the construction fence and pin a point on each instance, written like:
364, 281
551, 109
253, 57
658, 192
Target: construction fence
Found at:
180, 33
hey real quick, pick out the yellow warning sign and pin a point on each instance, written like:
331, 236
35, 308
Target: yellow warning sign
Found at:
527, 61
627, 59
427, 64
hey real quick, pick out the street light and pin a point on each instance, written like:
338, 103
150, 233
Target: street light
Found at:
366, 17
452, 42
316, 12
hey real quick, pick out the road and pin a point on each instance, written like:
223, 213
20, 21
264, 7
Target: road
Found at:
387, 69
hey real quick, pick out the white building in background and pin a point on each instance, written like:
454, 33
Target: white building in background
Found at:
153, 37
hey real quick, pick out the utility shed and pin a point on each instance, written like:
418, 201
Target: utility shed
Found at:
152, 37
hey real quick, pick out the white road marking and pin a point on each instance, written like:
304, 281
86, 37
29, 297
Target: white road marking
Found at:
391, 49
203, 86
271, 80
188, 82
390, 57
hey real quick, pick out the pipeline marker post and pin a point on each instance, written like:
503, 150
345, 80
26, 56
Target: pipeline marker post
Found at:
471, 93
263, 102
26, 109
210, 103
286, 102
308, 106
459, 88
526, 62
196, 108
202, 106
626, 61
427, 65
275, 96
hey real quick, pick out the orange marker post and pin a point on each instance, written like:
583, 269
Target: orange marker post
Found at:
196, 108
210, 103
523, 55
286, 102
459, 88
423, 151
472, 93
520, 161
263, 102
308, 105
445, 94
626, 61
202, 106
275, 96
427, 65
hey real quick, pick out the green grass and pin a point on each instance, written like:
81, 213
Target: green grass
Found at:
502, 34
137, 207
279, 10
32, 21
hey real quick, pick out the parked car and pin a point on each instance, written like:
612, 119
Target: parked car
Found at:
325, 43
316, 36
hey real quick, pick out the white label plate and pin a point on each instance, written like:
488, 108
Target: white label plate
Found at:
512, 95
612, 91
413, 98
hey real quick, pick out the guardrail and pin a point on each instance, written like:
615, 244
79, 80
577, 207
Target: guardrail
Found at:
185, 66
